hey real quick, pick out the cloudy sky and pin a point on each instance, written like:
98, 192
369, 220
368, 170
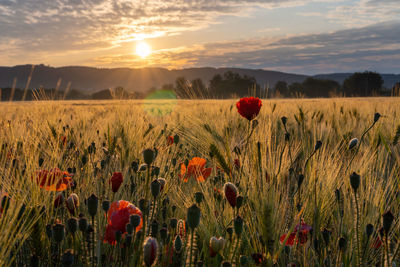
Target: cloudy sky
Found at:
301, 36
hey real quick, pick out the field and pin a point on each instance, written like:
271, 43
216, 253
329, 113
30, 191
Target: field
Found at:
208, 187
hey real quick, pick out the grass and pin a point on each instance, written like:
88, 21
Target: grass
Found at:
267, 179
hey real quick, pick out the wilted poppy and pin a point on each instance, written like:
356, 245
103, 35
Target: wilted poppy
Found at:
196, 169
303, 229
116, 181
54, 180
249, 107
118, 218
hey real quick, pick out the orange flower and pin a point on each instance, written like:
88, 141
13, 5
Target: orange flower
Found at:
118, 218
53, 180
196, 169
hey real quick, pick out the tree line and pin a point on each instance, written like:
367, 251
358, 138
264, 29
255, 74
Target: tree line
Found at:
228, 85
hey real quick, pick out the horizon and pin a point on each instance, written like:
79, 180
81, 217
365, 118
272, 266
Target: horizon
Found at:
305, 37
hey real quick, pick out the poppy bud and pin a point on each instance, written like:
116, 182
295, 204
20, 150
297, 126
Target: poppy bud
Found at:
300, 180
154, 228
116, 181
239, 201
72, 203
41, 162
342, 244
193, 216
92, 203
59, 200
355, 181
58, 232
198, 196
318, 145
83, 224
118, 236
377, 116
387, 221
353, 142
134, 220
216, 245
231, 193
129, 228
173, 223
155, 188
142, 205
67, 259
72, 225
369, 230
105, 205
178, 244
226, 264
238, 225
148, 156
164, 233
284, 120
84, 160
49, 231
326, 234
150, 247
176, 139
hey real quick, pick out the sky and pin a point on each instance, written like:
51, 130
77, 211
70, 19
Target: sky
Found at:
298, 36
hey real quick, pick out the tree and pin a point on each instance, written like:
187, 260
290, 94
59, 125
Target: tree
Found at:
320, 87
363, 84
282, 88
232, 83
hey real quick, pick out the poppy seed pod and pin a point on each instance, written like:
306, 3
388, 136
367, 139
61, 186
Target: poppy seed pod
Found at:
377, 116
284, 120
178, 244
226, 264
238, 225
155, 188
128, 240
154, 228
72, 225
148, 156
164, 233
239, 201
355, 181
67, 259
72, 203
150, 248
342, 244
176, 139
105, 205
387, 221
58, 232
326, 234
134, 220
193, 216
173, 223
231, 193
369, 230
83, 224
229, 230
318, 145
216, 245
353, 143
198, 196
92, 204
129, 228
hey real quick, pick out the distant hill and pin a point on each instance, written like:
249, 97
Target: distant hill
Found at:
89, 80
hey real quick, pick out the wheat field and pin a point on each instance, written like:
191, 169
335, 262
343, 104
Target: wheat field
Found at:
295, 204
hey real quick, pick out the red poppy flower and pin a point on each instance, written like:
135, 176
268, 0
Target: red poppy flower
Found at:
116, 181
249, 107
53, 180
303, 230
170, 140
231, 193
118, 218
196, 169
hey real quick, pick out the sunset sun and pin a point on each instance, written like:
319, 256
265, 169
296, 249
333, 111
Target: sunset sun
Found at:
143, 49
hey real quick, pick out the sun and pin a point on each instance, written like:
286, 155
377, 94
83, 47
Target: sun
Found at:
143, 49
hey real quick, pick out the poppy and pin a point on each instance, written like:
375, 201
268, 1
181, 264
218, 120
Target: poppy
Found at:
118, 218
303, 229
249, 107
196, 169
54, 180
116, 181
170, 140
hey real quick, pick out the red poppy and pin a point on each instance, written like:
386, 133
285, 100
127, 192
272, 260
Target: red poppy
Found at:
231, 193
196, 169
170, 140
303, 230
249, 107
72, 203
116, 181
118, 218
53, 180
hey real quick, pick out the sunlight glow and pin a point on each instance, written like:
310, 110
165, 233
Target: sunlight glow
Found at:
143, 49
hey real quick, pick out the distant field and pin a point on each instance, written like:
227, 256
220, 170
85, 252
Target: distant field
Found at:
322, 219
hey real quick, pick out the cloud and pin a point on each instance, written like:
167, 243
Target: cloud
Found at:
375, 47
